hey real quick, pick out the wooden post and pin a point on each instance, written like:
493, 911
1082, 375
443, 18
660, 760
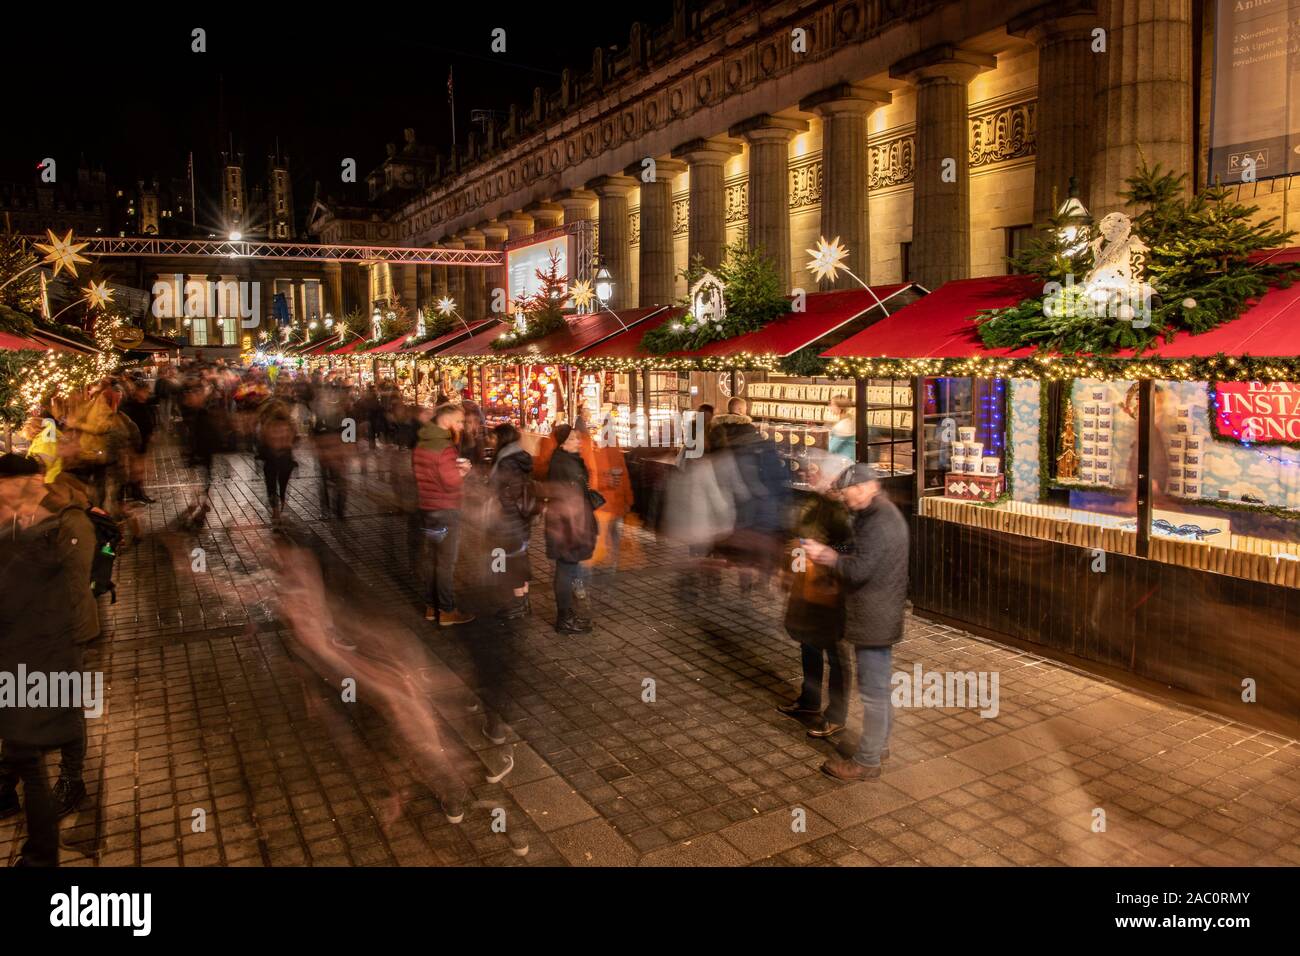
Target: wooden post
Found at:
1146, 392
860, 419
918, 437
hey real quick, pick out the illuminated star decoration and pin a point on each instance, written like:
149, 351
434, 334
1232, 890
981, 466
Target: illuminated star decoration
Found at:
827, 259
582, 294
63, 253
98, 295
446, 305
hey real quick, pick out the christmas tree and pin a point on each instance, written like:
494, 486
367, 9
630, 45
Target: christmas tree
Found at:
543, 311
24, 293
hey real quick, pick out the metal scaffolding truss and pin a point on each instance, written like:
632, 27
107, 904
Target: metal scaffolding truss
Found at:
254, 249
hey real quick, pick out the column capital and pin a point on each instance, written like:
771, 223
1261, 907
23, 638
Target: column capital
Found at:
943, 62
518, 223
612, 186
575, 197
473, 238
845, 98
544, 209
453, 242
1062, 18
493, 230
767, 128
664, 168
707, 152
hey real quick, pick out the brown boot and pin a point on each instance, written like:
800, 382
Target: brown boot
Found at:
448, 618
849, 770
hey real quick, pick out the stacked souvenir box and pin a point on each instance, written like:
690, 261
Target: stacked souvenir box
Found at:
1096, 433
1187, 448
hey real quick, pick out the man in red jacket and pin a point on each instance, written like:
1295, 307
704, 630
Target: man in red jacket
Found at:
440, 478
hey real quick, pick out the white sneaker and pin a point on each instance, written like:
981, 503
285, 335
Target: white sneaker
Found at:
498, 777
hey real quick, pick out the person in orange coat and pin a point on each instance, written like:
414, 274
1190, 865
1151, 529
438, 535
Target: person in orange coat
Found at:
607, 466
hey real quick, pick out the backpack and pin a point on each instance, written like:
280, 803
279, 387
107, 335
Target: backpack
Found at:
107, 538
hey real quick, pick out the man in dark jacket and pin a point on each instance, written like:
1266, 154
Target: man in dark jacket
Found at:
440, 479
873, 574
38, 629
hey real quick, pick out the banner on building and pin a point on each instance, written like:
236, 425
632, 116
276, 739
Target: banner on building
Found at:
1255, 118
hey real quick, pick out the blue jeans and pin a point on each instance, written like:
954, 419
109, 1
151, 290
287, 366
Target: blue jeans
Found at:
444, 547
875, 667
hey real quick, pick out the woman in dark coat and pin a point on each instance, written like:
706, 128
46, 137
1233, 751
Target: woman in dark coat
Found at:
814, 617
570, 528
510, 518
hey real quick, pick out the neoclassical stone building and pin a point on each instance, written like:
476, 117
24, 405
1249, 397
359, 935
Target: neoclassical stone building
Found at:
928, 135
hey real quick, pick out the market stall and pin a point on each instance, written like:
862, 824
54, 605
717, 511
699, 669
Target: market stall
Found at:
1137, 510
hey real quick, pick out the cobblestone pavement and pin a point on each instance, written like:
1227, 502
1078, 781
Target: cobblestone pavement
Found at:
207, 711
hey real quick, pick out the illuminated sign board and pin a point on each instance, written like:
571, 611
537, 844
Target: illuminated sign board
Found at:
525, 260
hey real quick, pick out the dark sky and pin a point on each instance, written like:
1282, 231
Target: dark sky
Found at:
119, 84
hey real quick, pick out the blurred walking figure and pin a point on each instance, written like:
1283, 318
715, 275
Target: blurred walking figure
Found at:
843, 437
276, 437
607, 466
48, 538
512, 505
873, 574
814, 617
750, 470
440, 479
570, 528
141, 407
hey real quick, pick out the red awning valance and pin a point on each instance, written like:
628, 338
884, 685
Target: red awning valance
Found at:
20, 343
433, 346
585, 331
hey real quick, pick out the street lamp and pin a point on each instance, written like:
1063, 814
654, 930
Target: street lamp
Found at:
604, 285
1076, 219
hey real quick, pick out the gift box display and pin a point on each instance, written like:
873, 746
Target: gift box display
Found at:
974, 487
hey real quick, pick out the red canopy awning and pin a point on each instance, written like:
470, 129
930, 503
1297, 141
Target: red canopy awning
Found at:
940, 325
787, 334
457, 334
826, 313
348, 349
20, 343
585, 331
478, 344
392, 345
60, 344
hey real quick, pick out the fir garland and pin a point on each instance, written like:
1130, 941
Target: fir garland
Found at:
1198, 259
806, 363
752, 292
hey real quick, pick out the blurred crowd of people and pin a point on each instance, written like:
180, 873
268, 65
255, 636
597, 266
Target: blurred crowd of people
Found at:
477, 495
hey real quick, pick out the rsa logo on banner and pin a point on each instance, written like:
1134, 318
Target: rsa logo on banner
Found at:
1259, 412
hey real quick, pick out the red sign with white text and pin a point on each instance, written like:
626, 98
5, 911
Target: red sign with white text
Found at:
1266, 413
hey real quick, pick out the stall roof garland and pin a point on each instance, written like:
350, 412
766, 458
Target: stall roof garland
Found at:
1243, 368
745, 361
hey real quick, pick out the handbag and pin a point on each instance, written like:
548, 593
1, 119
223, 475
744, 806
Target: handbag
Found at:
595, 498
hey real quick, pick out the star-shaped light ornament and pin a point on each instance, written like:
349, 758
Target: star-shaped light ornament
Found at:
582, 294
827, 259
63, 253
98, 295
446, 305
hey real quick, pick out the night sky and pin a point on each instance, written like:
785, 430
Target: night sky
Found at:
123, 89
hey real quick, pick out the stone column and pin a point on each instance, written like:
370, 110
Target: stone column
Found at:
546, 215
332, 292
475, 306
496, 233
1144, 96
614, 247
577, 204
456, 276
707, 214
655, 282
404, 286
1067, 81
518, 224
356, 289
769, 185
845, 109
941, 187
